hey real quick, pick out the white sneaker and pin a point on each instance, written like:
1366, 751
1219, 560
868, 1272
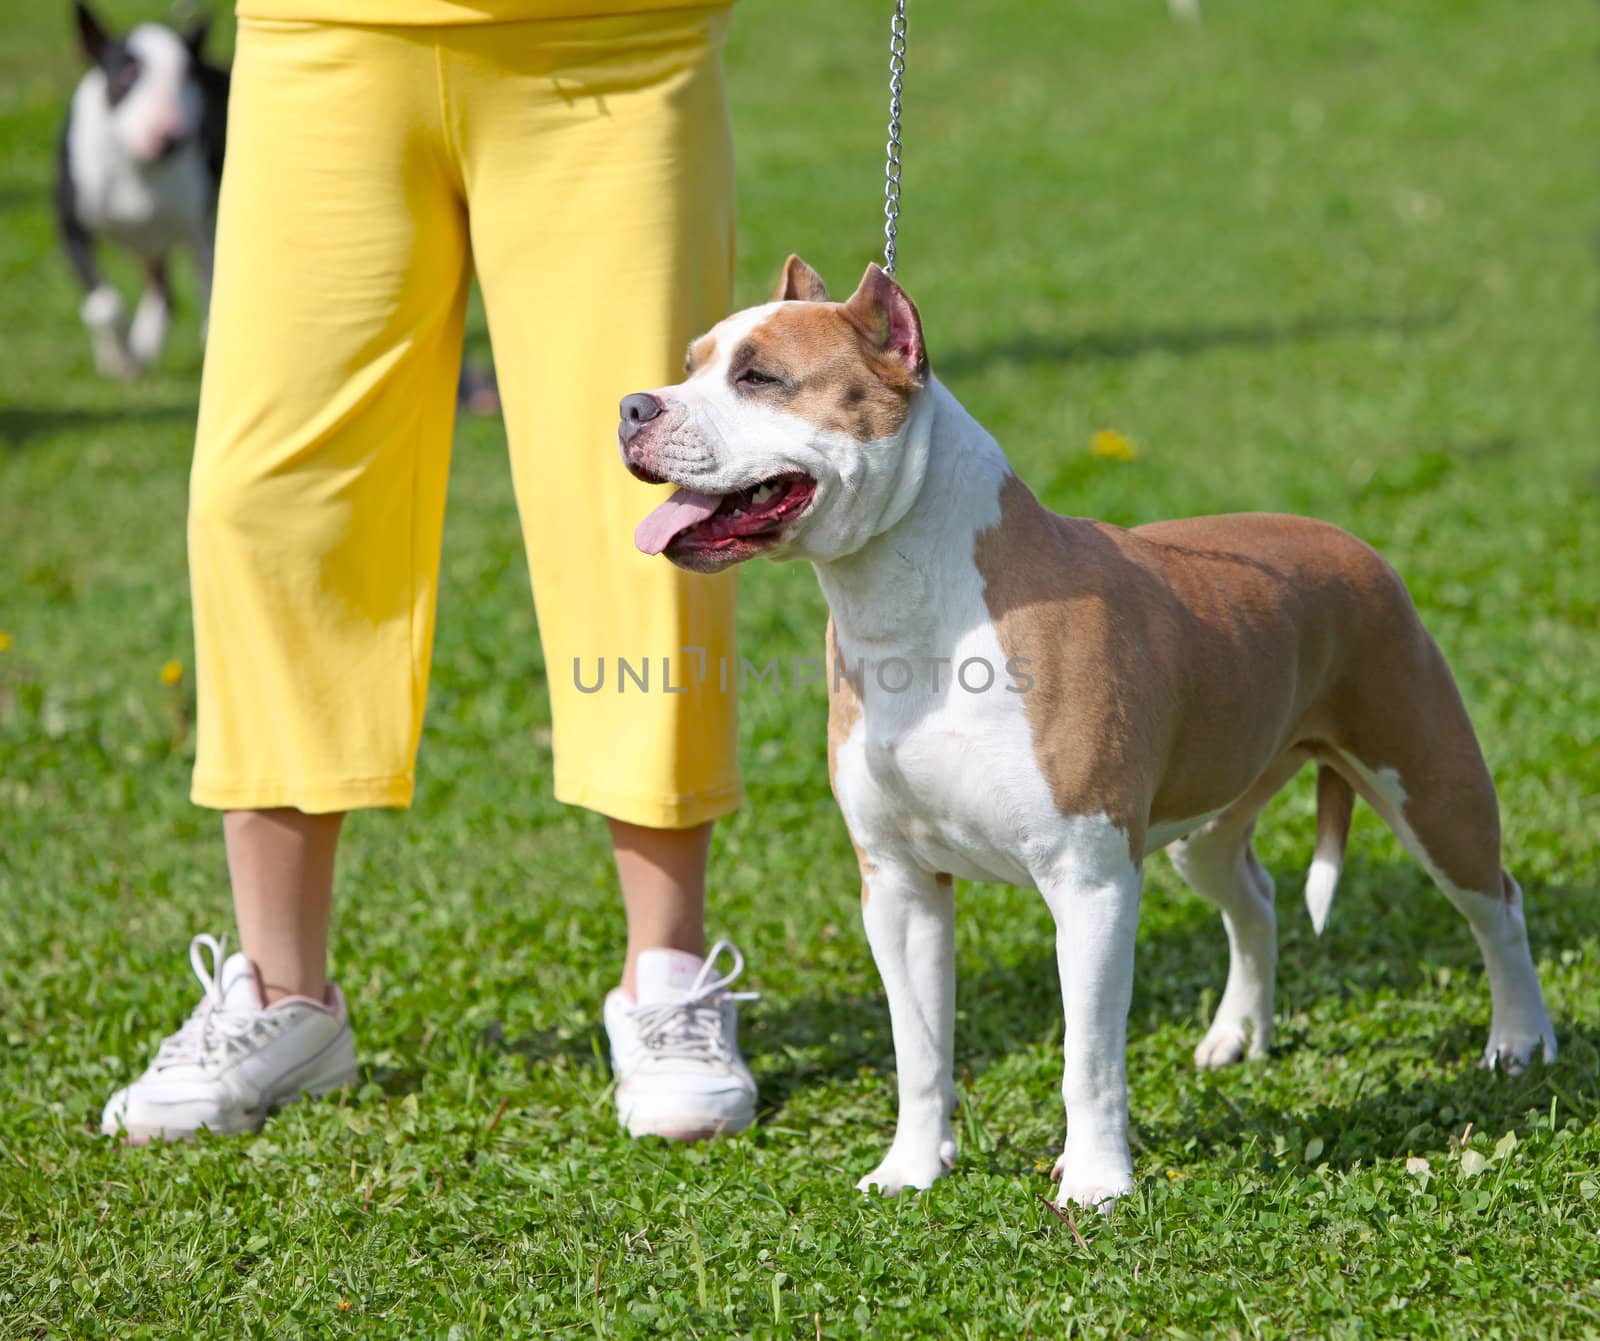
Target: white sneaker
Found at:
234, 1061
675, 1050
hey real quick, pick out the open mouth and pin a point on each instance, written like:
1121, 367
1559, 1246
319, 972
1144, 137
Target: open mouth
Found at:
724, 528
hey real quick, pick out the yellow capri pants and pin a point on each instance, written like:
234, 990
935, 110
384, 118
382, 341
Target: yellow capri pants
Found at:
584, 168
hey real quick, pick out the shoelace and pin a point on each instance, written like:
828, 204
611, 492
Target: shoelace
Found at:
692, 1027
210, 1033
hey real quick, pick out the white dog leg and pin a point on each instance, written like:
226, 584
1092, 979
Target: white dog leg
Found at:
149, 330
103, 315
1219, 866
910, 920
1519, 1024
1095, 900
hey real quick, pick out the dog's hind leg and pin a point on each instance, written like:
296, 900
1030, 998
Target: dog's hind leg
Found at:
1414, 758
910, 920
1219, 865
1450, 823
150, 319
1519, 1023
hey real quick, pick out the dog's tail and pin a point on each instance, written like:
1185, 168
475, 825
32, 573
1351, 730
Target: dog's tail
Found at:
1335, 802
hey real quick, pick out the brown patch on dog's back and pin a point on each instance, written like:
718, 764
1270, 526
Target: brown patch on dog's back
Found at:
832, 379
1150, 700
1160, 691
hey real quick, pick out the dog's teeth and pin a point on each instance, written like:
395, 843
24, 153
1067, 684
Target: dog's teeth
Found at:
763, 493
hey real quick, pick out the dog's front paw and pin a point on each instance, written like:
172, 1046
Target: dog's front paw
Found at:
909, 1168
103, 314
1092, 1188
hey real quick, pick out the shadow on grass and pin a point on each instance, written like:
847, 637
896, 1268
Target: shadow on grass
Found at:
21, 424
1391, 934
1132, 342
14, 197
579, 1048
542, 1047
1388, 1119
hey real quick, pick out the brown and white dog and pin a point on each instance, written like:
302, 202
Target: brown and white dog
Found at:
1046, 700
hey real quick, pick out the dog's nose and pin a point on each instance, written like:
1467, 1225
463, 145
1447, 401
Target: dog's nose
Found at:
164, 141
637, 410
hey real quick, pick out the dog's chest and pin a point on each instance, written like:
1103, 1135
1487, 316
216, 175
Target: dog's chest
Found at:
148, 209
946, 778
151, 212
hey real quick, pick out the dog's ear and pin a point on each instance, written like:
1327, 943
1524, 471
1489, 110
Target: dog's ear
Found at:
888, 321
194, 36
92, 35
799, 283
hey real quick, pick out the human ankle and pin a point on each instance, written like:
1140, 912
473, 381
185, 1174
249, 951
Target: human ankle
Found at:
282, 982
688, 940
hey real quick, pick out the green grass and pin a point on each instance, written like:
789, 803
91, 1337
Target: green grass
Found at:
1331, 258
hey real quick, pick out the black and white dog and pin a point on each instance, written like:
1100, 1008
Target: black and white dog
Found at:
139, 163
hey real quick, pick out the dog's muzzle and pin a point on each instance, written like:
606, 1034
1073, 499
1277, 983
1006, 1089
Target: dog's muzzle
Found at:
636, 411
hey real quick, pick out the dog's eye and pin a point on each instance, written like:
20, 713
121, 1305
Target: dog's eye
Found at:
755, 377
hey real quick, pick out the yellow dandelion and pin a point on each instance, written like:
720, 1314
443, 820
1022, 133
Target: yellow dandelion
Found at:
172, 673
1110, 445
5, 642
344, 1306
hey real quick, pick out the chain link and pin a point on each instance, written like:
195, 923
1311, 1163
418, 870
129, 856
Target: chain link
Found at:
891, 167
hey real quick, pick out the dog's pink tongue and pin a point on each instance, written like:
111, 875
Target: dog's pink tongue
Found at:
678, 513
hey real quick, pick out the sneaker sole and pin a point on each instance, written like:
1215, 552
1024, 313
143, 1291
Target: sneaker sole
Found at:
678, 1131
249, 1122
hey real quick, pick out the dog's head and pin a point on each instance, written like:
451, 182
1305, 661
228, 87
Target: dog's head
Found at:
150, 83
790, 435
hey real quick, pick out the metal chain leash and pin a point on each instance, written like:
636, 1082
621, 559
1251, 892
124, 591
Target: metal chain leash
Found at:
891, 167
